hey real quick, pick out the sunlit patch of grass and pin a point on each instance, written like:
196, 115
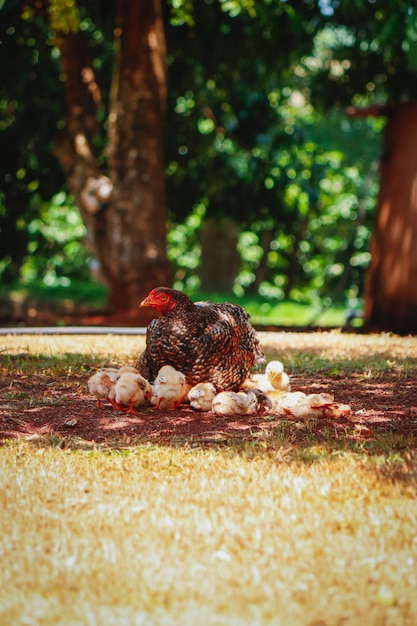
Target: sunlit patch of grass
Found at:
292, 524
155, 534
338, 354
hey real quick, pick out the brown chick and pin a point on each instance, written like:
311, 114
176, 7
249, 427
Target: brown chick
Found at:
207, 341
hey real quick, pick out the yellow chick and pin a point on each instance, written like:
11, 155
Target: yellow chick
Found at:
318, 405
276, 376
201, 396
101, 385
282, 400
244, 402
169, 388
131, 389
258, 381
231, 403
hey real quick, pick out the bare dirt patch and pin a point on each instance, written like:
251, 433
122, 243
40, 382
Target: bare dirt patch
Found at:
58, 406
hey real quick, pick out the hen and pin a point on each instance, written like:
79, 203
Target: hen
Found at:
207, 341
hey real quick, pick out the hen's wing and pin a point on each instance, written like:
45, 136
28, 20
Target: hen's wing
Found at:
214, 342
171, 341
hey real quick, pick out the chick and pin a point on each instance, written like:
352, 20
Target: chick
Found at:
232, 403
318, 405
201, 396
131, 389
263, 403
101, 385
276, 376
169, 388
244, 402
285, 399
258, 381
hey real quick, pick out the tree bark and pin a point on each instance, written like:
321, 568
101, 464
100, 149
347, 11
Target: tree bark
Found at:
127, 227
390, 286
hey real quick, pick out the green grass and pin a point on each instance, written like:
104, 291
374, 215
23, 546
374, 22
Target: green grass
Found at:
92, 294
283, 312
262, 311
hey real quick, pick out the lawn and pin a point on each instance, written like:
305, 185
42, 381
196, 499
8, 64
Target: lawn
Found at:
184, 519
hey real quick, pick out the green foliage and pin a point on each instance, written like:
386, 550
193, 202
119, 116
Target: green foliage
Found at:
249, 144
31, 112
248, 83
64, 16
55, 249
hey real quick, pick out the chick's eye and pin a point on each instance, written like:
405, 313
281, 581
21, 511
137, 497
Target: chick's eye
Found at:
163, 296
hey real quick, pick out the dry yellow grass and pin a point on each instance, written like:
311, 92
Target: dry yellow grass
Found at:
168, 536
160, 535
120, 346
331, 344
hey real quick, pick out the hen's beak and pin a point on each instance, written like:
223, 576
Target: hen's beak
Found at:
146, 302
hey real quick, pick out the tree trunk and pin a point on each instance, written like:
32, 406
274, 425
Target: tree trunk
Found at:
125, 214
390, 286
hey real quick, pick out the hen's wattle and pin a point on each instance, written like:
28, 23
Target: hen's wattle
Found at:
206, 341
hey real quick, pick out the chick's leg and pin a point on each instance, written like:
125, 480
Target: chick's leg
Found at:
114, 404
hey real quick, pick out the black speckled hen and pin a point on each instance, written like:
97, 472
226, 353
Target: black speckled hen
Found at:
206, 341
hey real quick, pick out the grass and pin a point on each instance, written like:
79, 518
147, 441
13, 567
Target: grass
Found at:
157, 535
77, 292
271, 311
259, 533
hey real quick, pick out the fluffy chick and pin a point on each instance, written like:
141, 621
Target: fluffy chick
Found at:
169, 388
101, 385
273, 378
318, 405
231, 403
201, 396
131, 389
244, 402
282, 400
257, 381
276, 376
263, 403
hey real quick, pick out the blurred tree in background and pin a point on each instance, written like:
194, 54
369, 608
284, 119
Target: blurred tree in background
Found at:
271, 187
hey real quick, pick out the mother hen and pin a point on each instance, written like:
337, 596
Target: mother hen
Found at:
206, 341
